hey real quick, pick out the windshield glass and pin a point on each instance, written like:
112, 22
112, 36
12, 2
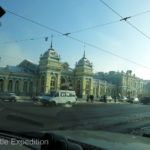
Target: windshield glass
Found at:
75, 65
53, 93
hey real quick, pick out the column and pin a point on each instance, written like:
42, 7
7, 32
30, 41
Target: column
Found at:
13, 86
28, 85
99, 90
83, 86
58, 81
35, 86
21, 86
47, 82
6, 84
91, 86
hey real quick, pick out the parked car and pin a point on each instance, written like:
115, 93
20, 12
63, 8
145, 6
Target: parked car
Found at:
133, 100
123, 99
145, 100
8, 96
106, 99
109, 99
37, 98
59, 97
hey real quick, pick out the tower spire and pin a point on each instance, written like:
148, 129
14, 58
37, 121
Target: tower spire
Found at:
84, 51
51, 41
84, 54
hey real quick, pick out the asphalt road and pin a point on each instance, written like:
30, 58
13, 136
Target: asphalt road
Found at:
125, 118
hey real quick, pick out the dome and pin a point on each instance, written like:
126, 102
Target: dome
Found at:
50, 54
84, 61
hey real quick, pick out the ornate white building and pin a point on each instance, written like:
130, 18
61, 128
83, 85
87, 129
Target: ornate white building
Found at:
31, 79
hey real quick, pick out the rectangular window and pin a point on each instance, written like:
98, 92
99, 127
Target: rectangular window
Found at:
63, 94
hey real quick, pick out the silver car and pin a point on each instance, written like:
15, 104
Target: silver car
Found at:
8, 96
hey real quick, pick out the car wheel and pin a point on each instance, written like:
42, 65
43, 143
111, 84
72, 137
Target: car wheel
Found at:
53, 103
44, 104
68, 102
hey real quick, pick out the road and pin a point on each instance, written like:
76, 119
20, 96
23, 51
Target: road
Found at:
124, 118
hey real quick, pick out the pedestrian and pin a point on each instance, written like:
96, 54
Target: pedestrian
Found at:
105, 99
87, 99
92, 98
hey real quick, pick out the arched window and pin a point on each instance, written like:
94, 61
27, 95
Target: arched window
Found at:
10, 85
87, 87
63, 84
42, 84
1, 85
25, 87
78, 87
52, 86
17, 87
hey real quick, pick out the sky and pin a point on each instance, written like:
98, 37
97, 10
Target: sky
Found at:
70, 16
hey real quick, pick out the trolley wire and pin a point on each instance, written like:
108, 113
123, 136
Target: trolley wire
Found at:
126, 18
79, 40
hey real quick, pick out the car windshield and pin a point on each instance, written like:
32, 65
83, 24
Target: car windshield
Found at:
75, 65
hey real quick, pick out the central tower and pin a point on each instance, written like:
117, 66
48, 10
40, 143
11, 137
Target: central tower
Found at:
49, 70
83, 77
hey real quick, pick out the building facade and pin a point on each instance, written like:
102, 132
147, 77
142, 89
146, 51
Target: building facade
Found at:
126, 84
32, 79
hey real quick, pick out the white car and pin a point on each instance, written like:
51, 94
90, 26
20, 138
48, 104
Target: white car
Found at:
123, 99
133, 100
109, 98
59, 97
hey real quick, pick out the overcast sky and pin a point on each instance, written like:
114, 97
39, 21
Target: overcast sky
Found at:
72, 15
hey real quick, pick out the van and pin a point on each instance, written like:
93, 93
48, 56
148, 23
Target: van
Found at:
59, 97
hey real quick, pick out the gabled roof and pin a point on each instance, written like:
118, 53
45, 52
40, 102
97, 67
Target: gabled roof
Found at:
28, 65
15, 69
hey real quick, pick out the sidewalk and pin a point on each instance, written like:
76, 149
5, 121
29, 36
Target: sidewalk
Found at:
24, 99
83, 101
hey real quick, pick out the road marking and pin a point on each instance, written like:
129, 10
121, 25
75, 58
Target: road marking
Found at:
68, 105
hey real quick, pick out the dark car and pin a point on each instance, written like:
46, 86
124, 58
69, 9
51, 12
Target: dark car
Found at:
145, 100
36, 98
103, 99
8, 96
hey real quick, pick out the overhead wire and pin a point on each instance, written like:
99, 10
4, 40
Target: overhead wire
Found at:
35, 22
86, 28
111, 22
80, 41
141, 13
95, 26
125, 19
23, 40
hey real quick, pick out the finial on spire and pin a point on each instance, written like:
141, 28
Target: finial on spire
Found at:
84, 54
51, 41
84, 51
